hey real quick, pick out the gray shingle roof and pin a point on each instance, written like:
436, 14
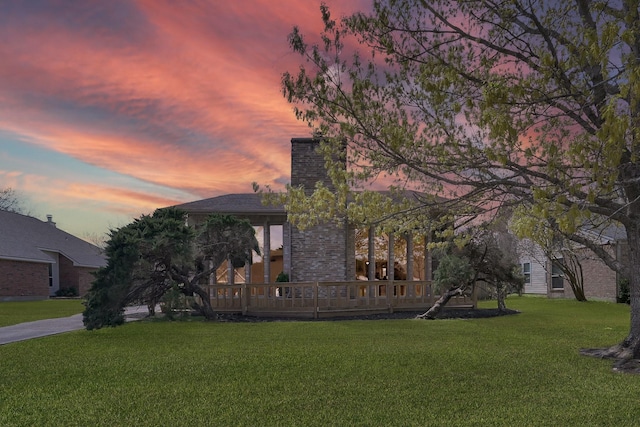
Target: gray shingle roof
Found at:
605, 233
246, 203
25, 238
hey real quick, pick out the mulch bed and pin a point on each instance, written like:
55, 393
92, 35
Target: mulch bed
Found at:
446, 313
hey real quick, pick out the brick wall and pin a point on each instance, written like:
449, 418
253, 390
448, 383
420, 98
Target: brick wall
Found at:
85, 279
307, 165
23, 280
68, 274
325, 252
600, 282
75, 277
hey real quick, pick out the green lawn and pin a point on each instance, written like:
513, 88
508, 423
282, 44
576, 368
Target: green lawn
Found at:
12, 313
514, 371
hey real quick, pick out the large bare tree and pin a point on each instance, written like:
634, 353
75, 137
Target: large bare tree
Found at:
10, 200
524, 103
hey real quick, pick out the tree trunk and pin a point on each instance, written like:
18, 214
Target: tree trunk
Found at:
192, 287
629, 348
205, 309
501, 295
572, 269
433, 312
633, 339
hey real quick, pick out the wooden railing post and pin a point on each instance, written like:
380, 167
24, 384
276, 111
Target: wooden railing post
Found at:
315, 300
244, 299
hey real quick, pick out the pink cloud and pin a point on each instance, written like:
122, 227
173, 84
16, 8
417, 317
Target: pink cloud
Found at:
184, 95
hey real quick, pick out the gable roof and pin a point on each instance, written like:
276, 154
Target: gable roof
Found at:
24, 238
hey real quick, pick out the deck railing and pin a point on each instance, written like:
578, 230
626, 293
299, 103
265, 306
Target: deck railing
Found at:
326, 299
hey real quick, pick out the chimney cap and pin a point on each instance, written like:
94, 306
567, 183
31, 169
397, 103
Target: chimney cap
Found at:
50, 220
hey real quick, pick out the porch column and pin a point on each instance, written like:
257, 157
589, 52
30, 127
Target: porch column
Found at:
266, 256
409, 238
427, 257
213, 277
247, 269
391, 257
286, 248
231, 272
371, 256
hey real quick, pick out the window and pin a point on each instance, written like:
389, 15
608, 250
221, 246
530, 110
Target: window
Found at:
526, 272
557, 278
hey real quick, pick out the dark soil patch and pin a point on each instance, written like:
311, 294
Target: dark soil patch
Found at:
447, 313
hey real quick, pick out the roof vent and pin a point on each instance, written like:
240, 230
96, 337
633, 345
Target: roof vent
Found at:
50, 220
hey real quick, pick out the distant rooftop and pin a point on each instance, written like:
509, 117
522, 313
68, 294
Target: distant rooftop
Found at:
24, 238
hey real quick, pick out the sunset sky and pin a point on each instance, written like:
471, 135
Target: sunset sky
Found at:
111, 109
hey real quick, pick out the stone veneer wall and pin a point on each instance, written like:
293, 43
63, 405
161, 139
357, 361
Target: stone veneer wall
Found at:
21, 280
325, 252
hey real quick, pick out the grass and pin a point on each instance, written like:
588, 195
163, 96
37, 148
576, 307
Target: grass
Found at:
519, 370
15, 312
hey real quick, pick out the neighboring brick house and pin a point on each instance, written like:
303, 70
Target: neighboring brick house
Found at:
37, 259
600, 282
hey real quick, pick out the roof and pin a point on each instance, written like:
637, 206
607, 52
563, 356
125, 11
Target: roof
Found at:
243, 205
605, 233
249, 203
24, 238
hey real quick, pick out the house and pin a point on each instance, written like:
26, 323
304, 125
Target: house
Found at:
325, 252
333, 267
543, 275
37, 259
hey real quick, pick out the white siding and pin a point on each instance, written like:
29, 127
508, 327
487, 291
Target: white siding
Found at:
529, 252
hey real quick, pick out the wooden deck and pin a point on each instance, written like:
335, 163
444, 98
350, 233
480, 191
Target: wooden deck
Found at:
326, 299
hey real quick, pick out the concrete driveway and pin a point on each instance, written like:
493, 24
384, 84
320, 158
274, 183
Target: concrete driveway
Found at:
43, 328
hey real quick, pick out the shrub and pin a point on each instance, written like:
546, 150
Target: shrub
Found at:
175, 303
282, 277
623, 291
70, 291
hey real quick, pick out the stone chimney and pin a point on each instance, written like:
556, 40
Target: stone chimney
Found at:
50, 220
